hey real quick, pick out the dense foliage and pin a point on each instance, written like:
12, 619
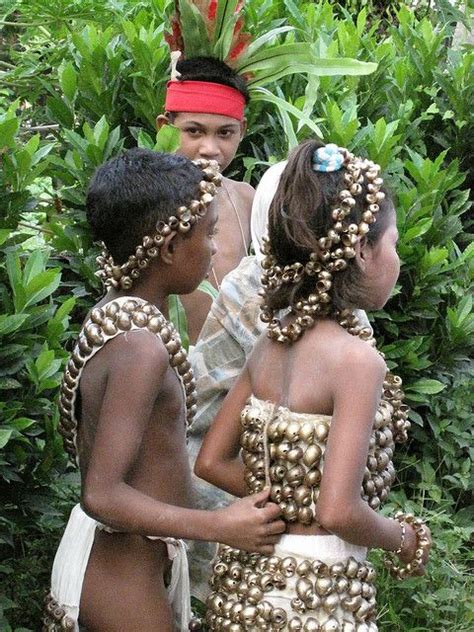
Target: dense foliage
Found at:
82, 79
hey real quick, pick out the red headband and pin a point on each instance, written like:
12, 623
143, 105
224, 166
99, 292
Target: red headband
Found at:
204, 97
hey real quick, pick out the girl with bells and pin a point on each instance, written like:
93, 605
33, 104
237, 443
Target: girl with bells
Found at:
315, 414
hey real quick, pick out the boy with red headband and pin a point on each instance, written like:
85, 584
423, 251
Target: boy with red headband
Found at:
206, 102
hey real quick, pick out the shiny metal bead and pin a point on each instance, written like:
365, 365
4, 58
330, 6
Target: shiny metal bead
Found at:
279, 618
311, 625
355, 588
304, 587
323, 585
295, 455
248, 615
352, 567
312, 455
304, 568
254, 595
330, 625
295, 475
306, 432
305, 515
303, 496
313, 601
331, 602
288, 566
292, 431
295, 624
342, 584
267, 582
84, 347
312, 478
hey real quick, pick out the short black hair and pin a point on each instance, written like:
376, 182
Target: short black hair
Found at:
130, 194
214, 71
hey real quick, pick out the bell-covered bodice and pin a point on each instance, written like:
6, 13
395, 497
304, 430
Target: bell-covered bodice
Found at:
286, 450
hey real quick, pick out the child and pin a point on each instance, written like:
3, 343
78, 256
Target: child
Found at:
303, 410
207, 105
127, 393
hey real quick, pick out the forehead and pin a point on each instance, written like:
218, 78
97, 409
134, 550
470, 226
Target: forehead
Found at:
205, 120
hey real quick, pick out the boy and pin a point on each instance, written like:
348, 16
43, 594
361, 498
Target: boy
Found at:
129, 384
207, 104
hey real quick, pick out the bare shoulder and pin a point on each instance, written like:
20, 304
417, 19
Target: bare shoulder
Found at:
348, 354
242, 192
140, 349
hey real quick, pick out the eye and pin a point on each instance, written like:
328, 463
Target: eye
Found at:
226, 133
192, 131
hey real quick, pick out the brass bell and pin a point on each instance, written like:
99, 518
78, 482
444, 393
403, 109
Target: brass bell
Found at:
124, 322
330, 625
331, 602
292, 431
312, 455
295, 624
323, 585
288, 566
311, 625
302, 496
303, 588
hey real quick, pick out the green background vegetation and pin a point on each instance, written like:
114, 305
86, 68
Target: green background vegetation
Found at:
82, 79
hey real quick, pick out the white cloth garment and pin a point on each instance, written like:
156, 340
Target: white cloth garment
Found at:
72, 557
328, 549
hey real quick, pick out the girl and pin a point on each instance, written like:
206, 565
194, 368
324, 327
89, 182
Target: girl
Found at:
315, 414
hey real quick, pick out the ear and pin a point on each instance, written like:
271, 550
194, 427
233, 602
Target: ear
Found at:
162, 119
168, 249
363, 253
243, 128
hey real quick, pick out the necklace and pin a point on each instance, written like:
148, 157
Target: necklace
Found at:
241, 228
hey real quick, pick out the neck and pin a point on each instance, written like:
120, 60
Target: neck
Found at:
146, 288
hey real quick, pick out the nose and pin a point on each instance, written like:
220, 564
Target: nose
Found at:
213, 247
209, 149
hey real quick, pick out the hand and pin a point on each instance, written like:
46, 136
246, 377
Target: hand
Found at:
408, 552
251, 524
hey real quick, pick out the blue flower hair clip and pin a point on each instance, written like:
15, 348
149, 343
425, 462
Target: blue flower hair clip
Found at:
328, 158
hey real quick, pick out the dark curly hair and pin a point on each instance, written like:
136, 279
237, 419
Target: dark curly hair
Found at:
129, 194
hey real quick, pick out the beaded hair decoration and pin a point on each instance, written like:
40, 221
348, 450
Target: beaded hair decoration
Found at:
334, 249
122, 276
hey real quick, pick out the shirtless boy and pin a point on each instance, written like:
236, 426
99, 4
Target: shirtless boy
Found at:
207, 105
126, 396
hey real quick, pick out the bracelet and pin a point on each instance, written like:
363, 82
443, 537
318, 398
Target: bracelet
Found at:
403, 528
422, 543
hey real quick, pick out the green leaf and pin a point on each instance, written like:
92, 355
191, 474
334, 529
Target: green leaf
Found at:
262, 94
4, 235
427, 386
68, 79
9, 324
264, 39
177, 315
207, 287
34, 265
5, 436
168, 139
43, 285
8, 130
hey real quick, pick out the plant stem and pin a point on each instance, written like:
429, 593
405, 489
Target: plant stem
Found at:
46, 231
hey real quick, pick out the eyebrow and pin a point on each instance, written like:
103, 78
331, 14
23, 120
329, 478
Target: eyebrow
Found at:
227, 126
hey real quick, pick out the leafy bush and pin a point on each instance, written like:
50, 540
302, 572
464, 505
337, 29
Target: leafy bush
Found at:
81, 80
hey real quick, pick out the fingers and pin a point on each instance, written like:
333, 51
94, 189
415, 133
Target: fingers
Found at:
272, 511
276, 527
260, 499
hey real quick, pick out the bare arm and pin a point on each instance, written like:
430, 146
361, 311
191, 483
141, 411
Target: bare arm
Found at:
340, 508
126, 410
219, 460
